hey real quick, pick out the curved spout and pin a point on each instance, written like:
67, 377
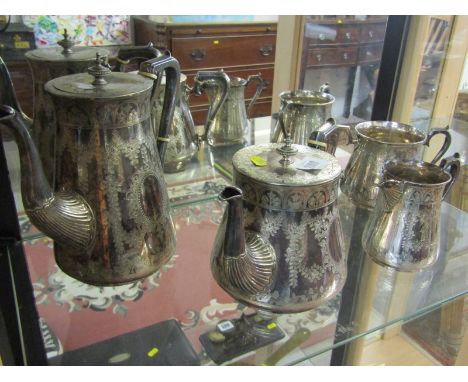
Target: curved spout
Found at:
64, 216
241, 259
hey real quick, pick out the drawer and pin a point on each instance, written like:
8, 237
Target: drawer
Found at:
332, 56
219, 52
331, 34
373, 32
266, 73
369, 54
262, 108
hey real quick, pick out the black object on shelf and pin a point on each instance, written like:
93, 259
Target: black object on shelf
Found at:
233, 338
162, 344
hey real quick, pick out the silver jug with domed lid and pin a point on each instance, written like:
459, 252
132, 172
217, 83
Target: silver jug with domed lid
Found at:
109, 212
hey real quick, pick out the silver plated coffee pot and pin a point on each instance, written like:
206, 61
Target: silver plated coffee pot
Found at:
403, 230
375, 142
307, 111
183, 140
47, 64
280, 246
109, 214
232, 122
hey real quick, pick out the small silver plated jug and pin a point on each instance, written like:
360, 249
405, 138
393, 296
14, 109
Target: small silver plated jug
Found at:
231, 123
305, 111
403, 229
183, 140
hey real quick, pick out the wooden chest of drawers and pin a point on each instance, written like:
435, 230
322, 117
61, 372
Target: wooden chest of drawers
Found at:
348, 42
239, 49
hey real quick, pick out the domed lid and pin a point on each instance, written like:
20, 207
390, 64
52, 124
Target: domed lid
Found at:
99, 83
283, 165
66, 52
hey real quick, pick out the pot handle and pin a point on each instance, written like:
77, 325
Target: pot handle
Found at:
258, 90
142, 53
327, 137
445, 146
211, 78
153, 68
451, 165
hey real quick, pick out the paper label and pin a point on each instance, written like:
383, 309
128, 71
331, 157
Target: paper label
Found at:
153, 352
258, 161
225, 326
310, 164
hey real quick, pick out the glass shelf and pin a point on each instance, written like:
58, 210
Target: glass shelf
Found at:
78, 316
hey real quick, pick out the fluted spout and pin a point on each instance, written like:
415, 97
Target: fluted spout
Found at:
64, 216
241, 260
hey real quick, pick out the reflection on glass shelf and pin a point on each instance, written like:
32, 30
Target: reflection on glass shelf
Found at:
81, 315
76, 316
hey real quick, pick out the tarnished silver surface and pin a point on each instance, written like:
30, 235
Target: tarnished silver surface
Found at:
183, 139
295, 212
403, 229
231, 123
110, 217
377, 142
304, 112
47, 64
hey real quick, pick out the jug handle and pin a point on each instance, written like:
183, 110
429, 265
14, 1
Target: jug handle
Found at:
142, 53
153, 69
260, 87
445, 146
451, 165
327, 137
207, 78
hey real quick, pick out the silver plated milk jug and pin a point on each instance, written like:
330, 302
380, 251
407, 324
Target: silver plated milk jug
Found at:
231, 123
403, 229
183, 140
109, 215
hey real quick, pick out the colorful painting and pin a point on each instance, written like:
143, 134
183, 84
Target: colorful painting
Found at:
87, 30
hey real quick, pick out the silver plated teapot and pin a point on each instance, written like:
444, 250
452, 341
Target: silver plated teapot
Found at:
109, 214
280, 246
403, 229
375, 142
231, 123
183, 140
306, 111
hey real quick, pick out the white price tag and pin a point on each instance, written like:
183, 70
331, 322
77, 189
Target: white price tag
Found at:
225, 326
310, 164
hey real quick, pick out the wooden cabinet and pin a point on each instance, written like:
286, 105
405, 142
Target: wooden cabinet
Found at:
343, 42
239, 49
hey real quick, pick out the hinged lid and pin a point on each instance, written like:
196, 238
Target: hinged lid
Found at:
99, 83
324, 167
66, 52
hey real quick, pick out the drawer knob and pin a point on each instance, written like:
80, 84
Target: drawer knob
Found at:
318, 57
345, 56
348, 35
371, 34
198, 54
266, 50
